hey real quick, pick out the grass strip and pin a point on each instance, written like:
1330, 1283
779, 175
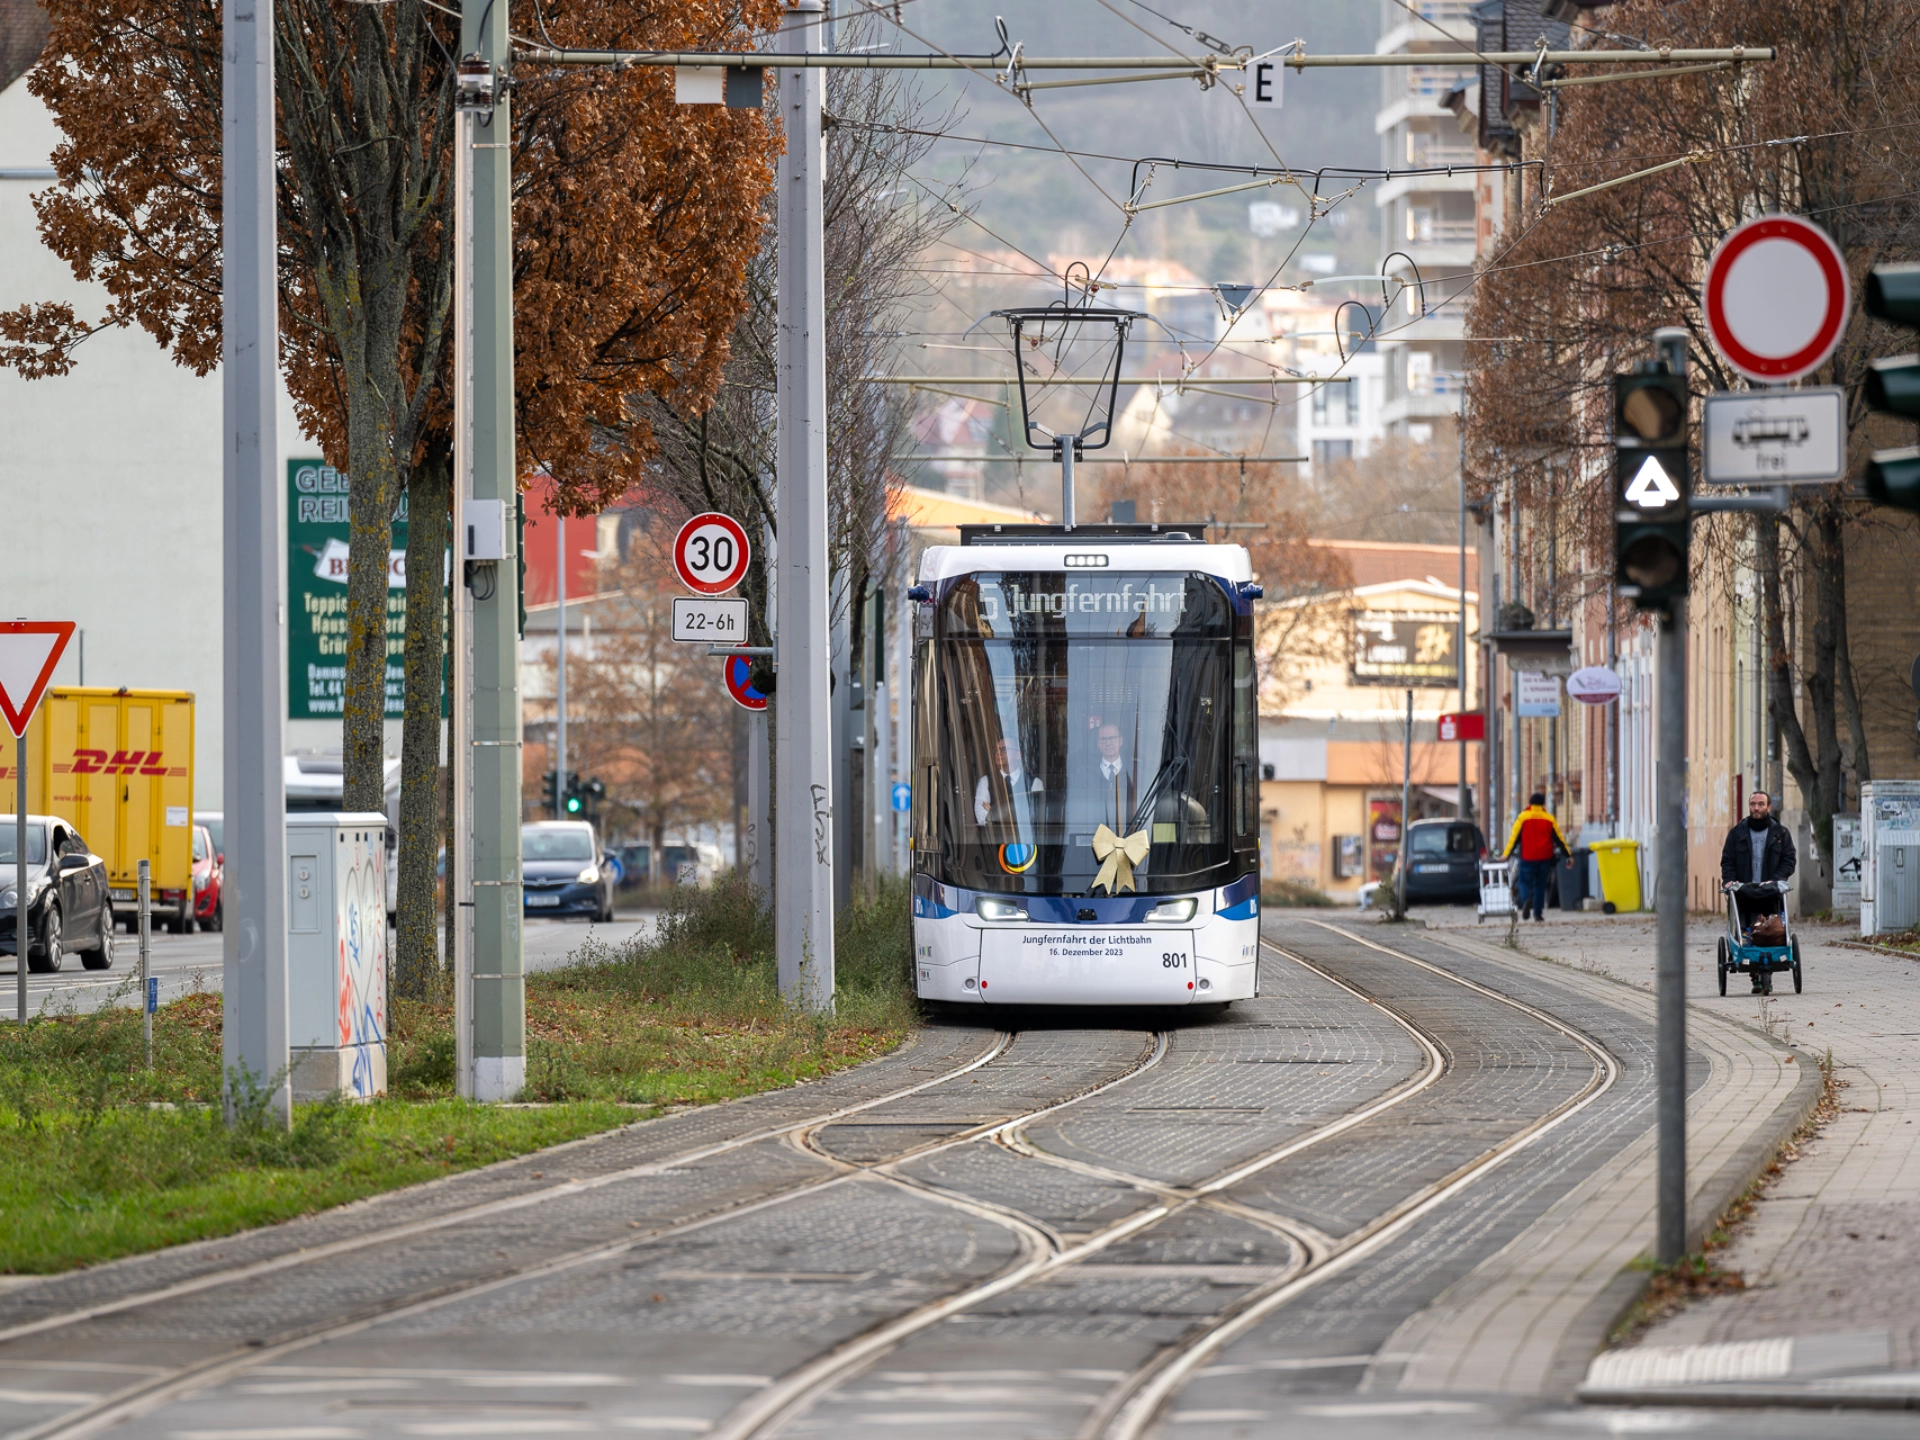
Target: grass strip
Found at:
101, 1157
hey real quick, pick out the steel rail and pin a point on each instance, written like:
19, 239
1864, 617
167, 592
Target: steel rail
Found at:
1156, 1383
1000, 64
793, 1394
467, 1214
143, 1396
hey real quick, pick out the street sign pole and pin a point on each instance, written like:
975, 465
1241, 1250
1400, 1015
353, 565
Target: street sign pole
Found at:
499, 993
460, 708
254, 938
20, 878
803, 741
29, 649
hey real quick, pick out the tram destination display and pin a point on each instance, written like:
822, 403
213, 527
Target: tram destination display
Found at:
1405, 648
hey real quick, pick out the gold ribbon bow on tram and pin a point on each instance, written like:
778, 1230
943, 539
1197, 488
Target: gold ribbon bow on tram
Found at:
1117, 858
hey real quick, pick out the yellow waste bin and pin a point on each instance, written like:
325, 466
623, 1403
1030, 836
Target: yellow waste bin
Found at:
1619, 862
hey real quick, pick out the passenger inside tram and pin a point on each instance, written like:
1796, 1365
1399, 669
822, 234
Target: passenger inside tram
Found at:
1003, 795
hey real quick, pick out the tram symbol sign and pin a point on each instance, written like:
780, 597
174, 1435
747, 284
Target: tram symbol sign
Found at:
1776, 297
1774, 437
711, 553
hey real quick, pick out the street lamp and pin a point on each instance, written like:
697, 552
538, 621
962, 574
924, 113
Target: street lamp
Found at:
1073, 341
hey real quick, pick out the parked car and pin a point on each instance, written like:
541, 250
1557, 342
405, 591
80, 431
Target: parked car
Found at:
563, 871
1443, 861
209, 876
69, 905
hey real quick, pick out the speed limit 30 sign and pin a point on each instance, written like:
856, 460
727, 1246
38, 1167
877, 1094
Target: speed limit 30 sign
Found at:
711, 554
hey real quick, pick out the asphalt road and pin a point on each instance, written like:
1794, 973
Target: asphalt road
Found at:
1108, 1225
186, 963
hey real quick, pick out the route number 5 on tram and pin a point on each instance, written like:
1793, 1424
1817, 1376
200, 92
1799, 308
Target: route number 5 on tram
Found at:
711, 553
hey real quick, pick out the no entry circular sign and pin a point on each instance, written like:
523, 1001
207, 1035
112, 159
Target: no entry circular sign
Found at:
1776, 297
711, 553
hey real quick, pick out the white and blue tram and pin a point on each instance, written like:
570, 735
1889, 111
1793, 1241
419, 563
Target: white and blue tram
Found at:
1085, 768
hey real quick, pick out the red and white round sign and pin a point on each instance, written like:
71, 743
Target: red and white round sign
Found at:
711, 553
1776, 297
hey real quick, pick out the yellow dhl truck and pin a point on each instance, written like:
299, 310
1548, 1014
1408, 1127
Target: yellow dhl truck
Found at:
118, 766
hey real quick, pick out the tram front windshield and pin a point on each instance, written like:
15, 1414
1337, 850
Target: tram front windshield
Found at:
1068, 702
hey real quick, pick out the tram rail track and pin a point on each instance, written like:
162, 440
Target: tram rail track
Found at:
1127, 1412
131, 1401
1130, 1410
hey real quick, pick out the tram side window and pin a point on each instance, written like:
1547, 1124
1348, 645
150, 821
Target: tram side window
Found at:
1246, 743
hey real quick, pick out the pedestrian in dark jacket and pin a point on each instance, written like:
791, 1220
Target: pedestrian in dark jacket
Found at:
1759, 850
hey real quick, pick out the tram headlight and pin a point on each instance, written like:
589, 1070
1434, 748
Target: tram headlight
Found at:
990, 909
1173, 912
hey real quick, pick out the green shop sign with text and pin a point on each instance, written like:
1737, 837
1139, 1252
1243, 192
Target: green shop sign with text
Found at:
317, 533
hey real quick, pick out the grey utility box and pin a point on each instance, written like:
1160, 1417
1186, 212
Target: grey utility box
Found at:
337, 954
1889, 855
1846, 867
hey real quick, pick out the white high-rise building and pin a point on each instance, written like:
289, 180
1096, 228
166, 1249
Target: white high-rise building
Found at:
1428, 224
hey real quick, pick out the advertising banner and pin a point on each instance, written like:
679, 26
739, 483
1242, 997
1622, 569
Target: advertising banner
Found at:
1535, 696
1405, 649
317, 533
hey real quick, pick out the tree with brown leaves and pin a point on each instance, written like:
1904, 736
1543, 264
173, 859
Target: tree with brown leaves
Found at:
635, 220
1831, 130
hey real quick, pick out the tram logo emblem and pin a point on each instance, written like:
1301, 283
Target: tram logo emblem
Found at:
1017, 859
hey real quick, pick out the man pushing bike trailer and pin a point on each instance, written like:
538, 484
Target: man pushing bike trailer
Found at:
1537, 836
1755, 865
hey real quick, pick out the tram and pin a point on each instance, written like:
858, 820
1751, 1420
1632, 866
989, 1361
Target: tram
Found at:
1086, 788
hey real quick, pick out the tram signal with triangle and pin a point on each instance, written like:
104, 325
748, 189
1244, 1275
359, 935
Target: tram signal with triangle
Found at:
1652, 479
1893, 386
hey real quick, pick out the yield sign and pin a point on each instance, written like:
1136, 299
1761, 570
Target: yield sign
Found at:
1652, 488
29, 649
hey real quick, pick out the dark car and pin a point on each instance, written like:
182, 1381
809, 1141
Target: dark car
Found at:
563, 872
69, 907
1443, 861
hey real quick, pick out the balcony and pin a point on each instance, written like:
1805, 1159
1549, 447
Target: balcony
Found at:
1425, 229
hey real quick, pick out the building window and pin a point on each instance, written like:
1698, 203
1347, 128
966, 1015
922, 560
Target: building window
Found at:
1325, 450
1330, 406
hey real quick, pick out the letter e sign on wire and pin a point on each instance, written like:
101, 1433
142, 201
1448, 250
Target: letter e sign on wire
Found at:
711, 553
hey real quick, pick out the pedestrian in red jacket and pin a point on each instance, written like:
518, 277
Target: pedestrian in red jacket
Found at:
1536, 835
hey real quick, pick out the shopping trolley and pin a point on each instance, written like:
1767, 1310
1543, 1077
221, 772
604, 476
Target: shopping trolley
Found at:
1496, 888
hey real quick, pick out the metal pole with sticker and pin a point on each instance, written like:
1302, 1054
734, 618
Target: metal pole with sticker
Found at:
29, 649
149, 983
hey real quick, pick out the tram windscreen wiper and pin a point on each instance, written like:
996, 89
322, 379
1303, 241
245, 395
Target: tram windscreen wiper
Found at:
1170, 773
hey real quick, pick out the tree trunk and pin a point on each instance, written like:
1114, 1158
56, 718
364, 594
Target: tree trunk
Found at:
1843, 660
416, 961
1815, 768
658, 869
364, 709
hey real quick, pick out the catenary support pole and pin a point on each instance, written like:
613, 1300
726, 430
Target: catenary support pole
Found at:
803, 852
1406, 813
1670, 904
1464, 801
560, 657
903, 703
254, 938
460, 708
499, 993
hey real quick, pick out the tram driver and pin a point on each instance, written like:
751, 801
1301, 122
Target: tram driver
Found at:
994, 795
1104, 785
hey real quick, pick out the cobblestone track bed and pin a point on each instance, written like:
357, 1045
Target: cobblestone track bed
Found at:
932, 1052
783, 1283
397, 1275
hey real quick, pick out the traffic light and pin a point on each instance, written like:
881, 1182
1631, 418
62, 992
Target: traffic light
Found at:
1893, 386
574, 801
1652, 481
550, 792
594, 794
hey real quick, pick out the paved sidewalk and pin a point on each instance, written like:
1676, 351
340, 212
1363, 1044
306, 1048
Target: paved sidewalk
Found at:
1831, 1254
1529, 1318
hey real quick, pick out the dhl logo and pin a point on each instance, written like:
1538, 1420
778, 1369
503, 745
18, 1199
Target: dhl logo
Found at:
122, 762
